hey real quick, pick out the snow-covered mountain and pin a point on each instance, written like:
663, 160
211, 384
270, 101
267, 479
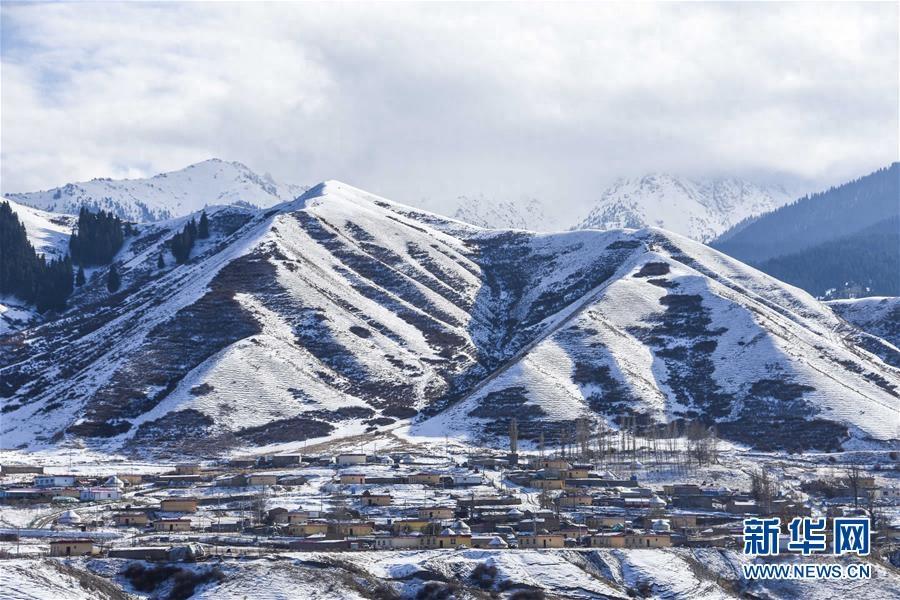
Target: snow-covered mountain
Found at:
529, 214
166, 195
342, 312
698, 209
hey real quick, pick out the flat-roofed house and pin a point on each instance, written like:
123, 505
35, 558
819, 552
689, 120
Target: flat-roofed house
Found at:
186, 505
72, 547
179, 524
351, 459
435, 512
131, 518
542, 539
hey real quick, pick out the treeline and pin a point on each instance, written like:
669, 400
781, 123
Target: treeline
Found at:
864, 264
181, 243
98, 238
24, 273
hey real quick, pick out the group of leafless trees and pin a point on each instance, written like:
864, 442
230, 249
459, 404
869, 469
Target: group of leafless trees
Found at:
679, 445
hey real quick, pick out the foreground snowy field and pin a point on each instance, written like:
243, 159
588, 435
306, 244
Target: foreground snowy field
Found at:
576, 574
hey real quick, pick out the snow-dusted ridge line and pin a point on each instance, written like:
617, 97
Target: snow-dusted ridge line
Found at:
339, 311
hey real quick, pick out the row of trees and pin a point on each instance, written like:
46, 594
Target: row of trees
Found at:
678, 446
47, 284
182, 242
98, 237
25, 274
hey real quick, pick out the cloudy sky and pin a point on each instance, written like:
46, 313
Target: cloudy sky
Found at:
433, 101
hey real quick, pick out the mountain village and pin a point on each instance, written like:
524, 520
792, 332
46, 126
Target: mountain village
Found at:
572, 496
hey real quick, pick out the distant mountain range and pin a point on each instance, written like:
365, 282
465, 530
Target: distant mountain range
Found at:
844, 241
342, 312
698, 209
166, 195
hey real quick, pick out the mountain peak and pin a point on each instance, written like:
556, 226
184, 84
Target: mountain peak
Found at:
698, 208
167, 195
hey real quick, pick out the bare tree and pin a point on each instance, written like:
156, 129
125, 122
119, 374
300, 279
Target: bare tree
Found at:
763, 487
853, 478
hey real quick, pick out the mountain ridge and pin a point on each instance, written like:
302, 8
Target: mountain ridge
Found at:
165, 195
700, 209
342, 312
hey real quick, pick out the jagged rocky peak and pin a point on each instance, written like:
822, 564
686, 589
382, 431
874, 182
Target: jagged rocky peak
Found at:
341, 312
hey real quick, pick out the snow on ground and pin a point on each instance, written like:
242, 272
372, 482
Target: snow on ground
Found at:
38, 579
48, 232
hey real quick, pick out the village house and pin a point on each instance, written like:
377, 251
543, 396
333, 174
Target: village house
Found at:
94, 494
183, 505
550, 463
295, 516
179, 524
307, 528
463, 480
248, 480
46, 481
367, 498
631, 540
742, 507
547, 484
426, 478
408, 525
20, 469
435, 512
573, 500
187, 469
541, 539
605, 522
352, 478
182, 481
290, 480
448, 538
396, 542
227, 524
284, 460
131, 518
351, 528
72, 547
242, 463
130, 478
577, 472
350, 459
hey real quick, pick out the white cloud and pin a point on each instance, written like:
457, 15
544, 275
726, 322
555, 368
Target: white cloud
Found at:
437, 100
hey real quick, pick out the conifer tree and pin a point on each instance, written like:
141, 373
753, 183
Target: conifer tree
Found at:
160, 263
79, 278
203, 227
112, 279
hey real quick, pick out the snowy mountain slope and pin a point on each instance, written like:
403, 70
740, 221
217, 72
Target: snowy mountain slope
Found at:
528, 214
49, 235
48, 232
687, 332
166, 195
341, 312
698, 209
878, 316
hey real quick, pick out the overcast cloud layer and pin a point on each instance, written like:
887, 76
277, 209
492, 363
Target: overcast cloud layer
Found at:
434, 101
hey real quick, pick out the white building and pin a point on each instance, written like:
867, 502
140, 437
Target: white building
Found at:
45, 481
70, 517
351, 459
100, 493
